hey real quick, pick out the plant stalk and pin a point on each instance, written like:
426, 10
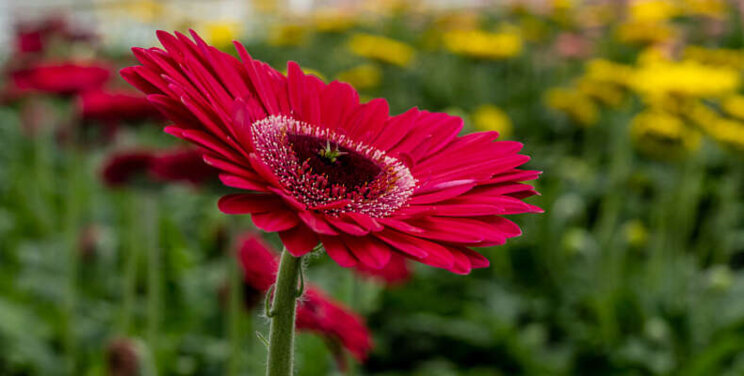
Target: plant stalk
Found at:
282, 313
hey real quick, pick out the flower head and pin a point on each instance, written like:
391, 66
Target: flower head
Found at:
316, 165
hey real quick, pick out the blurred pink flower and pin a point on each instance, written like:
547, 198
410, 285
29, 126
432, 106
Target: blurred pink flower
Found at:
572, 45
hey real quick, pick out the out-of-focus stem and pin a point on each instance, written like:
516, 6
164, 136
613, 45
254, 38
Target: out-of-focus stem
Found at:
130, 252
153, 271
234, 314
70, 223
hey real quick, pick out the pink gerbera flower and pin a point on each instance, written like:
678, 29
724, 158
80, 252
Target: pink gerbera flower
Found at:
316, 165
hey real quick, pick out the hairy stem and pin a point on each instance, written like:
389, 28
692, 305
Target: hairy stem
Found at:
282, 313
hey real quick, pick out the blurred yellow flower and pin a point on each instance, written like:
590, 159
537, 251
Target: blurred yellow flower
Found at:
605, 81
365, 76
457, 20
609, 72
662, 135
483, 44
562, 5
685, 78
645, 32
734, 106
288, 34
596, 15
635, 233
574, 104
715, 56
491, 118
388, 7
652, 10
607, 94
221, 34
331, 21
708, 8
381, 48
265, 6
534, 29
729, 132
145, 10
699, 114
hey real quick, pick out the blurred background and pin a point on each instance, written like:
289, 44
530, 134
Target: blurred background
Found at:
113, 264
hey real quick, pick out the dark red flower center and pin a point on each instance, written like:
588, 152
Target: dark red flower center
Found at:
340, 164
329, 172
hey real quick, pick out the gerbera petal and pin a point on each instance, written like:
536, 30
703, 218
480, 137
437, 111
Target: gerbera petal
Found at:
365, 221
477, 260
410, 245
229, 167
276, 220
368, 250
347, 227
338, 251
316, 223
242, 183
249, 203
299, 240
441, 195
461, 263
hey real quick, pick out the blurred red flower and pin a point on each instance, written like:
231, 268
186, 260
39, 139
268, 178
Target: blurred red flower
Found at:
65, 78
316, 165
115, 106
315, 311
123, 358
121, 168
32, 37
182, 165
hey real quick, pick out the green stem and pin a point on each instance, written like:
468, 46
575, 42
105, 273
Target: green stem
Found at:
130, 252
71, 225
281, 334
153, 273
234, 313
